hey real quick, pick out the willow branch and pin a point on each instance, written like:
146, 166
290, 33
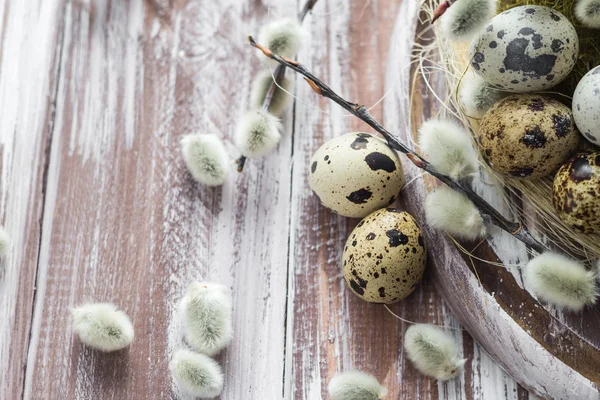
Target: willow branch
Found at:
518, 230
279, 75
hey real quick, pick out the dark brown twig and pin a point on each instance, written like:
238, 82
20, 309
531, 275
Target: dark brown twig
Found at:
488, 212
279, 75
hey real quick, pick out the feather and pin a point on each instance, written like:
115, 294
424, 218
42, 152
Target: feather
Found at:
453, 212
561, 281
355, 385
102, 326
206, 158
197, 374
448, 148
257, 133
432, 351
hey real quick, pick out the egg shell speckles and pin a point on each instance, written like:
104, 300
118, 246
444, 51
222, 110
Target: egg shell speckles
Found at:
525, 49
527, 136
384, 257
355, 174
576, 192
586, 106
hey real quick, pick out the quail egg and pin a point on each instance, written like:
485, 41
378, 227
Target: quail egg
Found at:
576, 192
586, 106
384, 257
525, 49
355, 174
527, 136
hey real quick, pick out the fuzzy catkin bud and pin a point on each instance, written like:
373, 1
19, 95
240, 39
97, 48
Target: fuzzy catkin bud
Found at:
588, 13
102, 326
4, 242
207, 317
466, 18
453, 212
355, 385
206, 158
283, 37
448, 148
280, 100
561, 281
476, 96
257, 133
197, 374
432, 351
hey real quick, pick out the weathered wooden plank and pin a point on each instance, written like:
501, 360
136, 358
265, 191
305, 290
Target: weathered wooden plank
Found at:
30, 42
124, 222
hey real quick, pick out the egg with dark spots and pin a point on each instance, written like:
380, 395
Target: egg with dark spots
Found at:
384, 258
576, 192
355, 174
527, 136
586, 106
525, 51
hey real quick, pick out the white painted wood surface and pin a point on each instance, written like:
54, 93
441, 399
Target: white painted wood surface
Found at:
95, 95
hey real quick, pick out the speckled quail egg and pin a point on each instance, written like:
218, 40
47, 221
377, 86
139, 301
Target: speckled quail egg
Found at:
527, 136
586, 106
355, 174
525, 49
576, 192
384, 257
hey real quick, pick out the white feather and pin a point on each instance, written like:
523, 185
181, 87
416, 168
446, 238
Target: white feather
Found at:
355, 385
452, 212
102, 326
206, 158
476, 96
4, 242
448, 147
207, 321
257, 133
588, 12
283, 37
280, 100
197, 374
432, 351
466, 18
561, 281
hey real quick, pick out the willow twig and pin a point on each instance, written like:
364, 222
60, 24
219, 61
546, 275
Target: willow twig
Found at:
518, 230
279, 75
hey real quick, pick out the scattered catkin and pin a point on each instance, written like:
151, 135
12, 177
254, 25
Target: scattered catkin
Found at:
561, 281
432, 351
476, 96
4, 242
197, 374
588, 13
206, 158
453, 212
466, 18
355, 385
257, 133
102, 326
280, 100
207, 320
283, 37
448, 148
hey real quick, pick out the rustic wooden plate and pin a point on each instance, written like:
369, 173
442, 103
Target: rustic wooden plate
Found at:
552, 354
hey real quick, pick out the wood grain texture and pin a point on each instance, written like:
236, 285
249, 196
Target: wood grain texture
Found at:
100, 206
30, 39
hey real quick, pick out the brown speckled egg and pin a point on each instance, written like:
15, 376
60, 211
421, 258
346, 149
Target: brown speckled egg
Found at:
576, 192
527, 136
355, 174
384, 257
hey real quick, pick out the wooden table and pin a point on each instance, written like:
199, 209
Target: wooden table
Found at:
94, 96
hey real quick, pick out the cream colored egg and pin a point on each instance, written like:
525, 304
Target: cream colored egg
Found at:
527, 136
384, 257
586, 106
355, 174
525, 49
